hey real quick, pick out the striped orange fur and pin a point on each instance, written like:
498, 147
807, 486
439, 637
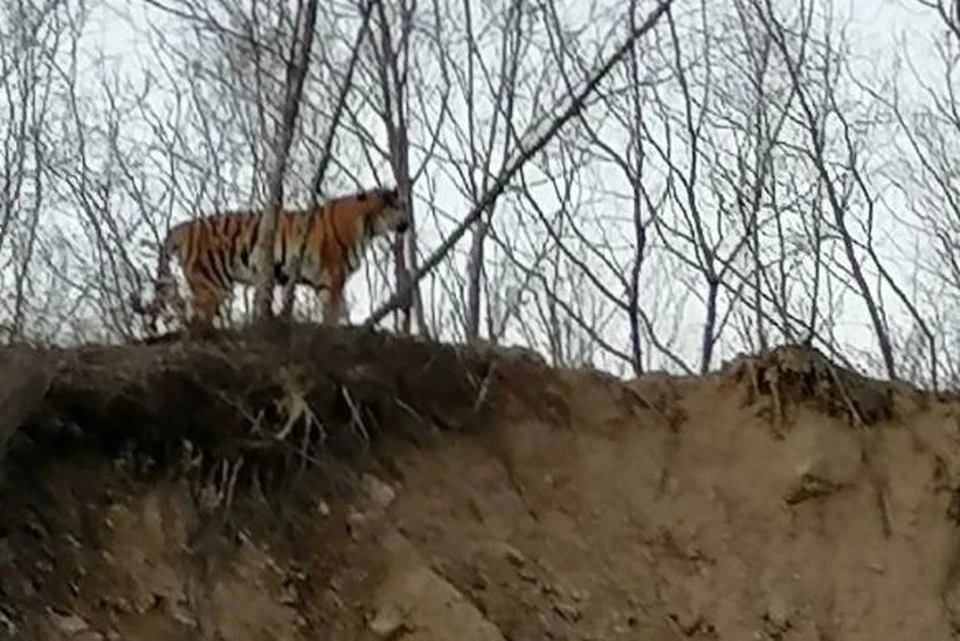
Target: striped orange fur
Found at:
215, 252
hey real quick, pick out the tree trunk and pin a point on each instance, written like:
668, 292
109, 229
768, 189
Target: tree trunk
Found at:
296, 73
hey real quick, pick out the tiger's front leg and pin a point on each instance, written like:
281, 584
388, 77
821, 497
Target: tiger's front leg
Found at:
332, 303
331, 307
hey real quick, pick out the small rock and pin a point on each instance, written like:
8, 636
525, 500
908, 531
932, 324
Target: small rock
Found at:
180, 613
37, 529
323, 508
118, 603
331, 598
515, 556
69, 624
569, 612
877, 567
545, 625
388, 622
6, 624
355, 522
144, 603
27, 588
687, 619
810, 486
289, 595
778, 612
479, 582
379, 492
335, 583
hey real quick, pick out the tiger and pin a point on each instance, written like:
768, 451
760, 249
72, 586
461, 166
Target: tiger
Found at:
216, 251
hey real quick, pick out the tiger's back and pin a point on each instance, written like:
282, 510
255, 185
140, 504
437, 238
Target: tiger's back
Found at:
218, 250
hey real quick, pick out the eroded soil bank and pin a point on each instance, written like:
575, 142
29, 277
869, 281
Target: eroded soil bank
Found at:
739, 506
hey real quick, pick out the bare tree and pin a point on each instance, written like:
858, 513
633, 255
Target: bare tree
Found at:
393, 65
528, 145
34, 40
727, 179
326, 151
627, 110
814, 115
297, 63
696, 222
924, 179
483, 147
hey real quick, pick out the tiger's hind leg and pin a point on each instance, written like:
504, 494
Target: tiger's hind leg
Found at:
165, 305
206, 301
172, 305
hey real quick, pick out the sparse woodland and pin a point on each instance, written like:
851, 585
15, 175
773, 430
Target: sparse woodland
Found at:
629, 185
599, 193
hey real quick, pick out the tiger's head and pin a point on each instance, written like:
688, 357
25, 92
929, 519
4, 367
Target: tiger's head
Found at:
386, 211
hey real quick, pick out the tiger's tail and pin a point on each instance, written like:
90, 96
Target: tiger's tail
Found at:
164, 287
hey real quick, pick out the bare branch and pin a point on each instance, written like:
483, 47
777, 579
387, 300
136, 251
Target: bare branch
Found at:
526, 152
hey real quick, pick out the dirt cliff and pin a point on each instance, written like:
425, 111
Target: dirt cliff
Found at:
346, 485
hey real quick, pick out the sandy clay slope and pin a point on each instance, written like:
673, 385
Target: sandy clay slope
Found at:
780, 499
